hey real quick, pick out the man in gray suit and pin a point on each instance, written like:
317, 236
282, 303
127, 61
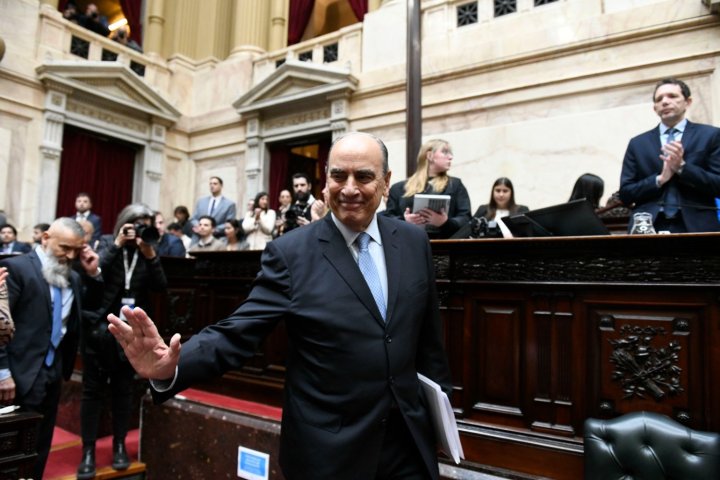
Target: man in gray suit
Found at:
215, 205
357, 294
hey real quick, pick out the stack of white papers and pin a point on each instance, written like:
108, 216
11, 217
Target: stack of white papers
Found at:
443, 419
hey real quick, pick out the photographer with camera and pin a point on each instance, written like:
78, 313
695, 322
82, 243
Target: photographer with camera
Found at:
300, 212
92, 20
131, 269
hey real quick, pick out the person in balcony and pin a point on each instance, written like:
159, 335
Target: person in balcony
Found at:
91, 20
122, 36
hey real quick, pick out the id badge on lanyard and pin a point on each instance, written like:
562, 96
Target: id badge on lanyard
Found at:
128, 299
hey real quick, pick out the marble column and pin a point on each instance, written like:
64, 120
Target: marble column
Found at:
50, 150
152, 43
251, 26
278, 24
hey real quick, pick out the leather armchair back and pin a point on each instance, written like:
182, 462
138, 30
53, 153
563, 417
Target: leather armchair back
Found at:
649, 446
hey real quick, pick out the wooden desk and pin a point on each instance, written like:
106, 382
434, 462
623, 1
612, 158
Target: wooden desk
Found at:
18, 436
540, 334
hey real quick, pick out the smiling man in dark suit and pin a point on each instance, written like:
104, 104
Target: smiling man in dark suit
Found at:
44, 295
673, 171
360, 330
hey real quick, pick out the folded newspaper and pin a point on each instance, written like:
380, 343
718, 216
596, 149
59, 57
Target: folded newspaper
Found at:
433, 202
443, 419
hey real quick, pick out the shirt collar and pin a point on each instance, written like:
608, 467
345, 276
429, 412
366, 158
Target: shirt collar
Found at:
679, 127
42, 256
349, 235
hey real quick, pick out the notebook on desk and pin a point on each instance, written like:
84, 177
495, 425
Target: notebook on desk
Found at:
575, 218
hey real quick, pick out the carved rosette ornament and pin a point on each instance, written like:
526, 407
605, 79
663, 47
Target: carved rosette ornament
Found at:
643, 369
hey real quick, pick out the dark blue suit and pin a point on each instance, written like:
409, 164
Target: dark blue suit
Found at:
697, 185
347, 368
170, 246
20, 247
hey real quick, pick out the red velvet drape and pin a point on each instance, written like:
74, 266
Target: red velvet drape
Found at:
300, 11
279, 160
133, 11
359, 8
102, 168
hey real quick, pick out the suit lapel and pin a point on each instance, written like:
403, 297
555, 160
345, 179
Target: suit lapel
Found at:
392, 263
688, 135
336, 252
37, 271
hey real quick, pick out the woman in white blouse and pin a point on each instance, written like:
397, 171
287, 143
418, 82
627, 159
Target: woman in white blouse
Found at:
259, 223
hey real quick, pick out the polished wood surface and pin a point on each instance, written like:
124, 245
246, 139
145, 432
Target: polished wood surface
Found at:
540, 333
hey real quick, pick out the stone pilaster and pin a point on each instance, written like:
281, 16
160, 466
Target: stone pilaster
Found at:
50, 150
152, 43
278, 24
253, 157
251, 26
150, 172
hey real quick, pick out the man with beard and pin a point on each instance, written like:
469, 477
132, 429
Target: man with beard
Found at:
45, 302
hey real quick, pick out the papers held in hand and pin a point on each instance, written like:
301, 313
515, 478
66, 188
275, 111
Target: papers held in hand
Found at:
433, 202
443, 418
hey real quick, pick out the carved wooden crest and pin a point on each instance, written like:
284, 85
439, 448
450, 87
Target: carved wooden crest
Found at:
642, 368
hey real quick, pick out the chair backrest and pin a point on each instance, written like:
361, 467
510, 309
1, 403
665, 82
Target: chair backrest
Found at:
649, 446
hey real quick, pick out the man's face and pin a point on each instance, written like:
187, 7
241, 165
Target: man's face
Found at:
82, 204
205, 227
215, 186
670, 105
301, 185
37, 235
7, 235
355, 180
62, 244
160, 223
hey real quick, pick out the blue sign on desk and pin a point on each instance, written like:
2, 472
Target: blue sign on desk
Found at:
252, 465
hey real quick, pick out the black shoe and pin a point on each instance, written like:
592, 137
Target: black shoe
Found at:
121, 461
86, 470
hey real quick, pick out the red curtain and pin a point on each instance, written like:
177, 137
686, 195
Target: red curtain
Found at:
279, 159
100, 167
300, 11
359, 8
133, 13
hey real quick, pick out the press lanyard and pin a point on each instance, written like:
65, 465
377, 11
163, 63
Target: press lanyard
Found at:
129, 269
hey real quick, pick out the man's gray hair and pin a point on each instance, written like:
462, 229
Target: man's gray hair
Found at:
383, 148
70, 224
131, 213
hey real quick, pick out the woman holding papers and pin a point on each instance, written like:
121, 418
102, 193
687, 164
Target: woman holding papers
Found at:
502, 201
431, 178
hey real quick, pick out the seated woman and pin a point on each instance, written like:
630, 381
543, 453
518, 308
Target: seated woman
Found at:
431, 177
502, 201
234, 239
590, 187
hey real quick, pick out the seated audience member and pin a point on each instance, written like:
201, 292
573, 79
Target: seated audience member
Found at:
431, 177
38, 231
83, 204
285, 200
122, 36
182, 218
10, 244
206, 241
92, 21
590, 187
234, 239
176, 230
168, 245
259, 223
502, 201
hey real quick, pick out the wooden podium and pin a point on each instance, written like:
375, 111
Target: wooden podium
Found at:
18, 432
540, 333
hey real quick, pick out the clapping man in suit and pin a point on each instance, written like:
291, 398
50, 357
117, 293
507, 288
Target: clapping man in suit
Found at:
215, 205
45, 301
673, 171
357, 294
83, 204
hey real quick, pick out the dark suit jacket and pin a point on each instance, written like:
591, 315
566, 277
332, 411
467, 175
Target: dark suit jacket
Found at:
346, 367
31, 308
170, 246
482, 211
698, 185
458, 214
21, 247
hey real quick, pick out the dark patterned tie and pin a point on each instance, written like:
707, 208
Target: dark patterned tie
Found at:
672, 196
369, 271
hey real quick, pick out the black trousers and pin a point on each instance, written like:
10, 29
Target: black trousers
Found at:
97, 374
43, 397
400, 459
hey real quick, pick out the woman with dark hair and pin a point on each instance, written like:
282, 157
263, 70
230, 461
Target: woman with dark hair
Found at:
131, 269
182, 218
590, 187
259, 223
233, 239
431, 177
502, 201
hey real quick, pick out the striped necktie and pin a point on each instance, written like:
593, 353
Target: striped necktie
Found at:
672, 196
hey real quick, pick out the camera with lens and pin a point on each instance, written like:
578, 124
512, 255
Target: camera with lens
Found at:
147, 233
480, 227
296, 211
